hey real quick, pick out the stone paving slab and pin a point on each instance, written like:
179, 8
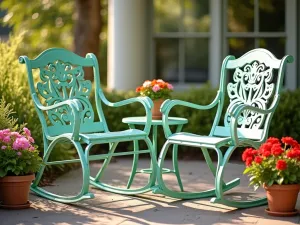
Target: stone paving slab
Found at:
112, 209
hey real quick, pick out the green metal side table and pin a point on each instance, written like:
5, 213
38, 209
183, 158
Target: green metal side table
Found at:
132, 122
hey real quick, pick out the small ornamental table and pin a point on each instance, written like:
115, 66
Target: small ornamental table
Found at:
132, 121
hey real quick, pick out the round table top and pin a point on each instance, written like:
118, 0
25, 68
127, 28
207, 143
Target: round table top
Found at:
141, 120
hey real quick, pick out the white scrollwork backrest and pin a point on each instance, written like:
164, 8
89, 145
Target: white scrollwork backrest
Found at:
252, 85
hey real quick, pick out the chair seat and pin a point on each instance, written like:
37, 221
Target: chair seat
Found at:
197, 139
126, 135
109, 136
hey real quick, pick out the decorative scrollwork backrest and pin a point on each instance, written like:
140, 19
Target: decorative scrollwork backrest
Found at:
61, 81
253, 85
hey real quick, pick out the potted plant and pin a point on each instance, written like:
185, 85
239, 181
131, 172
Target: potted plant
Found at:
19, 160
276, 167
158, 91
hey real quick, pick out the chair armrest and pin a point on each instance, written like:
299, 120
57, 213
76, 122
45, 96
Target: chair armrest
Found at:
236, 111
145, 101
169, 104
75, 106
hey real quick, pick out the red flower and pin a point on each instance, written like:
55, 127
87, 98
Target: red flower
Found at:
258, 159
248, 153
138, 89
290, 141
265, 149
291, 154
281, 164
249, 161
276, 150
267, 154
273, 140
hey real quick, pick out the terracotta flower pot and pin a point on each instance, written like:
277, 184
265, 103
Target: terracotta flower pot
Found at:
14, 191
156, 114
282, 198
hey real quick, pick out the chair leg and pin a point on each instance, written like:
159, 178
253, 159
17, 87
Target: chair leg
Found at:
141, 190
134, 164
112, 148
220, 189
176, 167
83, 194
162, 188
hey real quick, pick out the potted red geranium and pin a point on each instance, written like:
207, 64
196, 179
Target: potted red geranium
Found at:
276, 167
158, 91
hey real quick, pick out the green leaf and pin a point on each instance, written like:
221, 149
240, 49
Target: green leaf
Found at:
2, 172
293, 177
270, 182
280, 180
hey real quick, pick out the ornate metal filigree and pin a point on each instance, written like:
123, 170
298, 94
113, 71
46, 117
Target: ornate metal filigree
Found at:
61, 81
252, 86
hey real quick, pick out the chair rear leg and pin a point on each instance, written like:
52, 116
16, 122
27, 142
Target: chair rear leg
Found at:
83, 194
220, 188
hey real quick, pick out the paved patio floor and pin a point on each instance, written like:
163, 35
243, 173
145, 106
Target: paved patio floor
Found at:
148, 208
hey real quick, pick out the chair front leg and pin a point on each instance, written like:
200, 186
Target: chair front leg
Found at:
135, 160
175, 160
112, 148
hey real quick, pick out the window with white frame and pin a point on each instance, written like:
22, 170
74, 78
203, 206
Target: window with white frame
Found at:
181, 30
191, 37
269, 24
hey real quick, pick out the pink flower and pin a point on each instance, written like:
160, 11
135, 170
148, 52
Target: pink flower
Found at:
6, 139
21, 143
15, 134
3, 147
31, 148
31, 139
27, 131
170, 87
156, 88
19, 153
147, 83
4, 134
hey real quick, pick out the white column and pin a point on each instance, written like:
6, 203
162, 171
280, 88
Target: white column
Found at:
215, 48
128, 47
291, 43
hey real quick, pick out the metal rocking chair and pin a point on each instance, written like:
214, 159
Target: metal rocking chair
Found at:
254, 92
61, 98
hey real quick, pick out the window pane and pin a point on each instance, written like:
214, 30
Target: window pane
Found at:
196, 16
196, 60
167, 59
240, 16
166, 15
239, 46
274, 45
272, 10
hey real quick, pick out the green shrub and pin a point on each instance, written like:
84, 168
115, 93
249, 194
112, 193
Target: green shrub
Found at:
14, 90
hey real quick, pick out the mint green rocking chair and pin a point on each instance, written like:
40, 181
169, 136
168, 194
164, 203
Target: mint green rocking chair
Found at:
61, 97
254, 92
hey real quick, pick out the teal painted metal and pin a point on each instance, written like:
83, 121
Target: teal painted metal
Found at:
132, 121
61, 97
254, 94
